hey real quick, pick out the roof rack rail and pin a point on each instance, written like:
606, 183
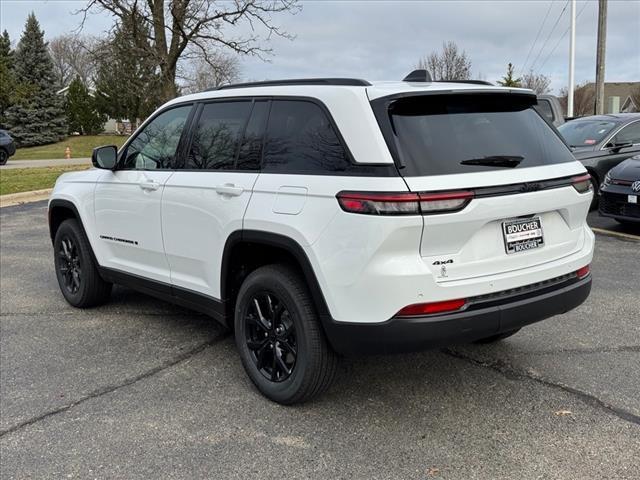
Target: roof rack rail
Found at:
473, 82
350, 82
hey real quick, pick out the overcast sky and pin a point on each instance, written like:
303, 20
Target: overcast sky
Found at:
383, 40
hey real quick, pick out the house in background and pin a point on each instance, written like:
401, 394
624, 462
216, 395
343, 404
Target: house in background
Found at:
111, 126
618, 97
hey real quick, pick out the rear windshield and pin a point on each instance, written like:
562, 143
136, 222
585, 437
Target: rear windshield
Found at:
448, 134
582, 133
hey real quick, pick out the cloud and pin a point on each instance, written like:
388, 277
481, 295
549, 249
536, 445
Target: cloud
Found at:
383, 40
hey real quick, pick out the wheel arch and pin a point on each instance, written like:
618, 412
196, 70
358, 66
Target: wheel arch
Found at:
246, 246
61, 210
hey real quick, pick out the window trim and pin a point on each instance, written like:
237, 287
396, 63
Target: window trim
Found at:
179, 149
356, 169
622, 127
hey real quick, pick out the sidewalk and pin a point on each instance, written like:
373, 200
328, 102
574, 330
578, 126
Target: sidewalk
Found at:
60, 162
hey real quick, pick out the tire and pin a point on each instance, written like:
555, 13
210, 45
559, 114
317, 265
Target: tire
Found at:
76, 270
498, 337
4, 156
288, 359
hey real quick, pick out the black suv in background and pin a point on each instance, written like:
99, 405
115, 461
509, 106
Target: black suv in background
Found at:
7, 147
601, 142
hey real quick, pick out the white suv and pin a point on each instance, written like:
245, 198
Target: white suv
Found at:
334, 216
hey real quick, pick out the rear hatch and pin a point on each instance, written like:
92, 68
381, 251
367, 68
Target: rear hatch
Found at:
501, 190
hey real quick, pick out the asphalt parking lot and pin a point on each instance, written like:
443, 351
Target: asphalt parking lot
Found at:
143, 389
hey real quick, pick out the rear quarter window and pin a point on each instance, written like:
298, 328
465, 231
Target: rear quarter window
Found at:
446, 134
301, 139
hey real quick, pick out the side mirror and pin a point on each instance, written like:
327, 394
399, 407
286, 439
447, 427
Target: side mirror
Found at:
105, 157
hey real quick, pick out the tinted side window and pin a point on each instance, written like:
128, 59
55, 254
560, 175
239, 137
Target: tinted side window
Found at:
300, 139
629, 134
217, 136
251, 146
156, 144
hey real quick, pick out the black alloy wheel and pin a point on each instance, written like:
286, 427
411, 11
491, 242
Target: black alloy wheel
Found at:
76, 269
69, 265
279, 336
271, 336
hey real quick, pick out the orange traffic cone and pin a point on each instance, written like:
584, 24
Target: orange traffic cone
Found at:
67, 152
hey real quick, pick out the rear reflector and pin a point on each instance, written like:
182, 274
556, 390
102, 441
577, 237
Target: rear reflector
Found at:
431, 308
444, 202
380, 203
582, 183
583, 272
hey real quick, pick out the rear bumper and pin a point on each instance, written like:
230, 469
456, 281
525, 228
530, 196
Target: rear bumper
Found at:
489, 317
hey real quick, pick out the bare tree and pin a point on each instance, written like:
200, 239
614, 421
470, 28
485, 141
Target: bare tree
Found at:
73, 57
584, 97
222, 68
537, 82
186, 29
449, 64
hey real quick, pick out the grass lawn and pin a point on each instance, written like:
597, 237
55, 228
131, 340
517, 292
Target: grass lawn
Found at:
26, 179
81, 147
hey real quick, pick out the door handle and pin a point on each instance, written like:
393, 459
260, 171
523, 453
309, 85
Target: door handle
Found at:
149, 185
229, 189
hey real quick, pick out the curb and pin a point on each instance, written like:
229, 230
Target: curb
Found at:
611, 233
13, 199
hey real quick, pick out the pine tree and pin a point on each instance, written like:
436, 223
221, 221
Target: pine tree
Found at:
7, 79
82, 116
508, 80
37, 116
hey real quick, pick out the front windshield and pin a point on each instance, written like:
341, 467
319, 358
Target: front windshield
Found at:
584, 133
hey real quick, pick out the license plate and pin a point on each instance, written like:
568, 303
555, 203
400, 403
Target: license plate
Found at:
632, 198
522, 234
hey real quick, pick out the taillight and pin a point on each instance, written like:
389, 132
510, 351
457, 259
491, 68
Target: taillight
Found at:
582, 183
430, 308
377, 203
583, 272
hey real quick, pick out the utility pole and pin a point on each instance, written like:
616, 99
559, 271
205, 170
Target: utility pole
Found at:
602, 39
572, 58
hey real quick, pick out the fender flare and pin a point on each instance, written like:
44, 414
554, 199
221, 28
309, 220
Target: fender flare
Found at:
68, 205
290, 246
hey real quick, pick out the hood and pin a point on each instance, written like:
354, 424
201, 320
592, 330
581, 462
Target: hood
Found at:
627, 170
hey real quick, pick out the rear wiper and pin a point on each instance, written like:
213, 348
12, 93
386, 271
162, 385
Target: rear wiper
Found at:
509, 161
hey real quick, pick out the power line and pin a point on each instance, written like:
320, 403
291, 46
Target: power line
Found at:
550, 33
562, 37
537, 36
